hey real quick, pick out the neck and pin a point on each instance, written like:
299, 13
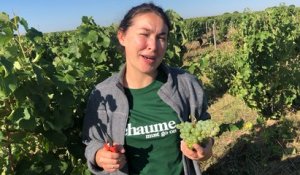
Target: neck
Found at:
138, 80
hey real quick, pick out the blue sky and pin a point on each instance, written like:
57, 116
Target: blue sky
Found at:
58, 15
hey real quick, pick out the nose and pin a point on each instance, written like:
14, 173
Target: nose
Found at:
153, 43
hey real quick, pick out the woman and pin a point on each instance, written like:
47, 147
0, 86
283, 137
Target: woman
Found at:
140, 106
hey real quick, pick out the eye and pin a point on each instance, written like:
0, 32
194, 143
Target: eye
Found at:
144, 34
162, 37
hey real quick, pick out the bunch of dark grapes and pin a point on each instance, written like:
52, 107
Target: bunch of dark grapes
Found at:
198, 132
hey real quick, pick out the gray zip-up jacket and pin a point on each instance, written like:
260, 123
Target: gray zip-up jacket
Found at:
108, 109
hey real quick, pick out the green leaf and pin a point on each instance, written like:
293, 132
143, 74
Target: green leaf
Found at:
24, 23
106, 41
38, 72
7, 65
192, 68
17, 65
12, 53
26, 114
58, 138
177, 50
100, 56
66, 100
170, 54
12, 82
4, 17
34, 35
204, 62
233, 127
18, 137
4, 39
87, 172
62, 119
92, 37
4, 91
28, 124
16, 115
75, 50
85, 19
69, 79
63, 166
76, 148
1, 136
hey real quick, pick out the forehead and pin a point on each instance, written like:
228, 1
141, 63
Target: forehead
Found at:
149, 19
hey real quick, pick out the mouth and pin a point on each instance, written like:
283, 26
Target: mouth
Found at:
148, 57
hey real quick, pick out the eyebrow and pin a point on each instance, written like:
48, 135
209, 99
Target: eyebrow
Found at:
143, 28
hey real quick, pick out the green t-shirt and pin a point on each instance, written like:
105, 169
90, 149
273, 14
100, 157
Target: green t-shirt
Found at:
152, 142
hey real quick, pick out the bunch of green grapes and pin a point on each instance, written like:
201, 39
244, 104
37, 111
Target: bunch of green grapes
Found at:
198, 132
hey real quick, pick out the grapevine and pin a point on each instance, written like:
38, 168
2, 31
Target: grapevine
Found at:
198, 132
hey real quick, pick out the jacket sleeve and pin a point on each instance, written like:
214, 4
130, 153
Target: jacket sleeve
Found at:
91, 134
198, 108
198, 100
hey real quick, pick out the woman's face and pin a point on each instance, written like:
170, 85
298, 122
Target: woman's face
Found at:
145, 43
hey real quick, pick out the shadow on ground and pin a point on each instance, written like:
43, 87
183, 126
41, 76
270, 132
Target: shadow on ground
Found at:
268, 150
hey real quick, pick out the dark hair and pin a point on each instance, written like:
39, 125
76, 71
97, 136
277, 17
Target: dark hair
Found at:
140, 9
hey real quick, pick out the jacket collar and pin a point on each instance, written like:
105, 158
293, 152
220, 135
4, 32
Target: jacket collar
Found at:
162, 66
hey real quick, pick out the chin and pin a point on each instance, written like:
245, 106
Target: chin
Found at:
149, 71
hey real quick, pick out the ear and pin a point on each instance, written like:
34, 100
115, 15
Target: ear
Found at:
121, 36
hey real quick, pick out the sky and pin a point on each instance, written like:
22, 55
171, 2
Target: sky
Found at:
60, 15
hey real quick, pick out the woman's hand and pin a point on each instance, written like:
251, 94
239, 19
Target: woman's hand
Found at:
111, 161
198, 152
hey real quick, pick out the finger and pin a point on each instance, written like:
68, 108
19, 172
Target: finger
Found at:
104, 157
110, 154
122, 160
188, 152
211, 142
199, 151
207, 151
115, 166
198, 148
120, 148
110, 161
208, 148
111, 168
185, 148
